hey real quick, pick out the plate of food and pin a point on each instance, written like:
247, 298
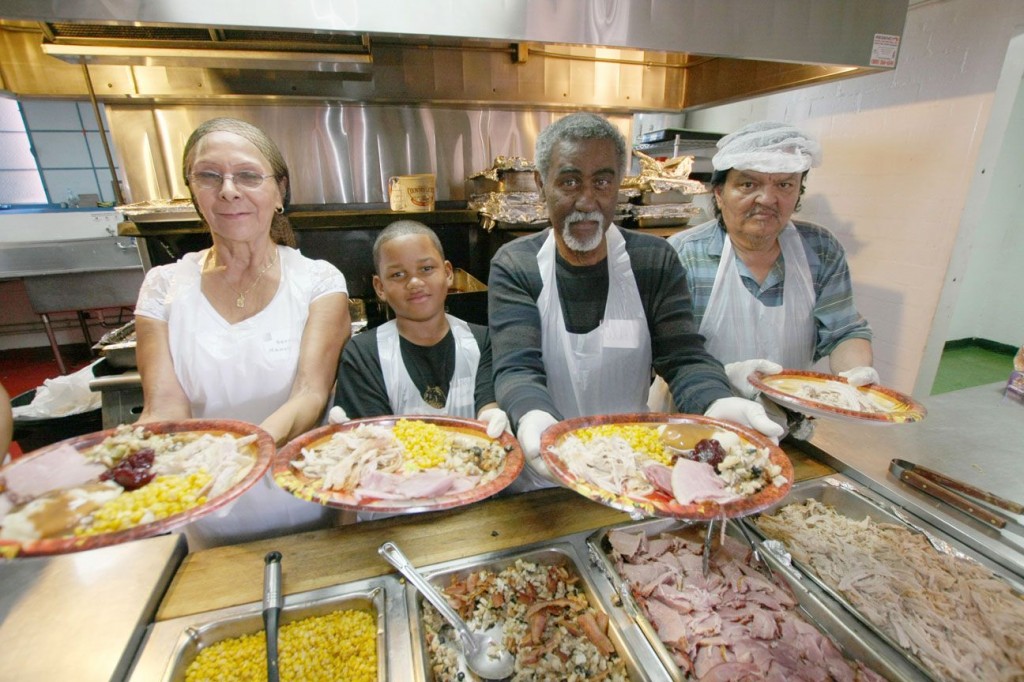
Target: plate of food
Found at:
828, 395
675, 465
126, 483
408, 464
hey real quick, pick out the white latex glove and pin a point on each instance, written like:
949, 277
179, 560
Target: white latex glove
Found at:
532, 424
739, 371
337, 415
746, 413
860, 376
497, 421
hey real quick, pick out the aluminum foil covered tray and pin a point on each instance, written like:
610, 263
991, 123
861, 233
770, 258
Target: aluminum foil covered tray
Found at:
549, 608
743, 621
951, 612
171, 646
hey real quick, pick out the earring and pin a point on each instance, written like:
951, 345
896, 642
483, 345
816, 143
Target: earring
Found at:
279, 210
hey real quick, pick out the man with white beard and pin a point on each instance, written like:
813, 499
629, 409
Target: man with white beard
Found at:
584, 313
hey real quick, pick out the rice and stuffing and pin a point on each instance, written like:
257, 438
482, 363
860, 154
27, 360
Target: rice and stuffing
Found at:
337, 646
546, 620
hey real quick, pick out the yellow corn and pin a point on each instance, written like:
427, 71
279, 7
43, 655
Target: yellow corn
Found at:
162, 497
426, 445
338, 646
643, 439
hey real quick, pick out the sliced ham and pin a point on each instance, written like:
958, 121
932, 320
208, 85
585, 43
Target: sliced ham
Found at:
57, 469
697, 481
429, 483
624, 543
732, 625
660, 477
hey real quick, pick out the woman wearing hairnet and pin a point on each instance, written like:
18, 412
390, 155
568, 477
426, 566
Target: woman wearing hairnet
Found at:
768, 291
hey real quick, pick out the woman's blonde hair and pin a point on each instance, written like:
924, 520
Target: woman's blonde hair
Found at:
280, 227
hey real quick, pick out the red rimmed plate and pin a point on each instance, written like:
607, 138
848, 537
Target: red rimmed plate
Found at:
793, 389
690, 429
262, 450
305, 488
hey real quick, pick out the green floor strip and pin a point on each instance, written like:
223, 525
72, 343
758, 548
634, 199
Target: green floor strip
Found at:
971, 366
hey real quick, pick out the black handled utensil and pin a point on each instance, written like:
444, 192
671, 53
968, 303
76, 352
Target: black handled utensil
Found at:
272, 609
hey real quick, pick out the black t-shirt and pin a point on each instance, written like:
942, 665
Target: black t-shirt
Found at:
583, 293
431, 368
361, 390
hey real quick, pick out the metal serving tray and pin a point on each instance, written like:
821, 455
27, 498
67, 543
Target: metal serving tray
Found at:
857, 502
638, 662
854, 640
171, 645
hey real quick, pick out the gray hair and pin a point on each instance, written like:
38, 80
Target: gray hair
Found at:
579, 126
402, 228
280, 227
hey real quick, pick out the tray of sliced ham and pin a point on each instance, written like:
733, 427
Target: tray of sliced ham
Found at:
677, 465
407, 464
951, 612
740, 621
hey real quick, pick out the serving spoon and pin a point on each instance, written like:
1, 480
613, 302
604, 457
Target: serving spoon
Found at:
485, 653
272, 609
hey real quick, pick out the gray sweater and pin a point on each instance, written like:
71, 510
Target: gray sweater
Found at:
678, 356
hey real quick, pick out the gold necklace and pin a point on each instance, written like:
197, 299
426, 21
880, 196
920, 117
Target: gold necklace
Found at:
240, 301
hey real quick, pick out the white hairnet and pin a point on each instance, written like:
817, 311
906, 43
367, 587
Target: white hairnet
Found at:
767, 147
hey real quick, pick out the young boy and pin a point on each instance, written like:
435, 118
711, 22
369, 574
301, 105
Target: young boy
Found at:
424, 361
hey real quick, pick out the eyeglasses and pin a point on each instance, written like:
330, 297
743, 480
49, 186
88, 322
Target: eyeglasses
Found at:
213, 180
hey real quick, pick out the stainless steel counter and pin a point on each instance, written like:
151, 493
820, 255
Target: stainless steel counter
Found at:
81, 616
974, 435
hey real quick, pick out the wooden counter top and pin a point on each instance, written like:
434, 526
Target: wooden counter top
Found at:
229, 576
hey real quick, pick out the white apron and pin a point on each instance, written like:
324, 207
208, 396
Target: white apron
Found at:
607, 370
405, 398
244, 371
238, 371
737, 326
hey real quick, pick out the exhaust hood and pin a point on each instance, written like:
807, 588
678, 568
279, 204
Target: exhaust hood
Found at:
613, 55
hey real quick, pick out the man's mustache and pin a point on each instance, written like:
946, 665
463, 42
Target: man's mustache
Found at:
581, 217
767, 212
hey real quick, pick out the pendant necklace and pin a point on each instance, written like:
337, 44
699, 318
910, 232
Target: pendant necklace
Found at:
240, 301
434, 395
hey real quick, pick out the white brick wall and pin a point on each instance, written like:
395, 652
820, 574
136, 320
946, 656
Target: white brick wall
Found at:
901, 149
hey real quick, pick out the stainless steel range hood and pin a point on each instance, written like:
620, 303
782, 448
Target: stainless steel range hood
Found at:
615, 55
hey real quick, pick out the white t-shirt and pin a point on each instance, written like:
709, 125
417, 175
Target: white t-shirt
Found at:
240, 371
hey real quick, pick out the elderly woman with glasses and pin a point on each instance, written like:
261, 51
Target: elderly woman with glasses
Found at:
248, 329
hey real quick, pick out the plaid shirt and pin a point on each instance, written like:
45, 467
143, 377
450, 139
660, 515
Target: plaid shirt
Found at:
835, 316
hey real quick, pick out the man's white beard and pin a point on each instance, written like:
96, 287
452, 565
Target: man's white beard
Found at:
583, 245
